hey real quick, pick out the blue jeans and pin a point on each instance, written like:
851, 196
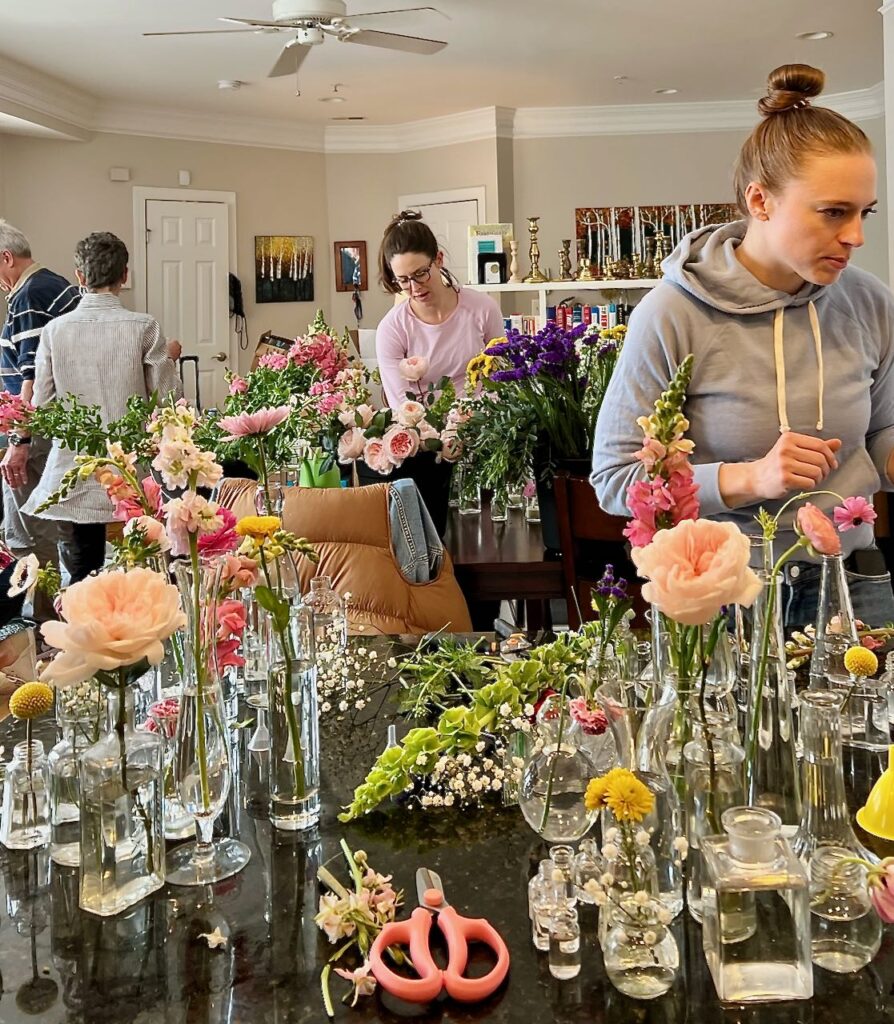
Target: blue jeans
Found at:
871, 596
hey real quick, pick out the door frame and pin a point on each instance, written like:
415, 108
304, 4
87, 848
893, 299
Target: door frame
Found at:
142, 193
451, 195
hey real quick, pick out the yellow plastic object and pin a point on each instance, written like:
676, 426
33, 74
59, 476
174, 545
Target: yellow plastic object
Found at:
877, 814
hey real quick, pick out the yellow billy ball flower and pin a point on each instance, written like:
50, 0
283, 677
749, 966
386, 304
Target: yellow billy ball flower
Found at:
31, 700
628, 798
860, 661
258, 527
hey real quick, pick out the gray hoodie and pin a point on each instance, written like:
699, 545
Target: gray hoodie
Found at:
819, 362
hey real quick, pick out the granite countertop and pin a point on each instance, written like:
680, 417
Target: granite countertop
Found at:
148, 966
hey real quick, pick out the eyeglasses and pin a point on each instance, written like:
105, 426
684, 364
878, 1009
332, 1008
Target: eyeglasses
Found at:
419, 276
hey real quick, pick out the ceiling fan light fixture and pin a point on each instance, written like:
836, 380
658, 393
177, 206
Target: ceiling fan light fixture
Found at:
229, 84
666, 92
816, 36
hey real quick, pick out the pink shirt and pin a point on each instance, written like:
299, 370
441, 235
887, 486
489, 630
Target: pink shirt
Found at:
448, 346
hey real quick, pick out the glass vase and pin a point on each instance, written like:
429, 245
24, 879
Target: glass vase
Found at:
771, 769
499, 506
122, 842
640, 716
469, 494
26, 800
80, 726
294, 725
846, 933
640, 953
330, 620
714, 782
202, 746
836, 628
555, 777
825, 818
162, 720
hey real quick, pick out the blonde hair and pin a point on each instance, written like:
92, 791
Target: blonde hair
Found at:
792, 130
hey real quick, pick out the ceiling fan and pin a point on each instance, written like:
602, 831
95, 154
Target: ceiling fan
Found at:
311, 21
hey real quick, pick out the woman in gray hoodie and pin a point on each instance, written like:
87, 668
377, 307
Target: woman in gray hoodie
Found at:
793, 378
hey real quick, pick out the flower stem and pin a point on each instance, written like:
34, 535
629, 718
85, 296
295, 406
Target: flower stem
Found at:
198, 646
705, 655
552, 768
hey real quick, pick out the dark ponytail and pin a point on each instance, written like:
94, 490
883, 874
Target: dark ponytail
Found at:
407, 232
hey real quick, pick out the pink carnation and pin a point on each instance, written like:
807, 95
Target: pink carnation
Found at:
223, 540
593, 723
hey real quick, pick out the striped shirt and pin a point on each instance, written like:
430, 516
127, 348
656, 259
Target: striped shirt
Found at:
38, 297
103, 353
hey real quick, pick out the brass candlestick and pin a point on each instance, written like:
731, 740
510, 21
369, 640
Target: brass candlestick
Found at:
584, 272
662, 250
565, 261
536, 276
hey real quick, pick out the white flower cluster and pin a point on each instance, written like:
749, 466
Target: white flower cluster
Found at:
343, 674
463, 780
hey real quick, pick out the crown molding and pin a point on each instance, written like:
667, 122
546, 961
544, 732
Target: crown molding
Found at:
124, 119
448, 130
662, 118
886, 7
34, 96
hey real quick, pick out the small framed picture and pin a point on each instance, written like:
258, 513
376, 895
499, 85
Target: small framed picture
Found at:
350, 266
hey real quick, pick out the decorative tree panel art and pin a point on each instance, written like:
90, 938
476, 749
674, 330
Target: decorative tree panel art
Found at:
284, 268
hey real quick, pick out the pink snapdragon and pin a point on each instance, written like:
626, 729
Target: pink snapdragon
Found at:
273, 361
238, 386
14, 411
238, 571
854, 512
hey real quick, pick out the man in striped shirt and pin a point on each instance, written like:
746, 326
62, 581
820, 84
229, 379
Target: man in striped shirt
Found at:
35, 297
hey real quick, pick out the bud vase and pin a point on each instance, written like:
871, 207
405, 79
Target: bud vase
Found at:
294, 725
836, 627
122, 842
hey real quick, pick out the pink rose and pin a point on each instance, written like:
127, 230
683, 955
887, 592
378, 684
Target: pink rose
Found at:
238, 386
410, 413
400, 443
351, 445
426, 431
111, 620
696, 568
816, 528
451, 447
153, 531
376, 456
413, 368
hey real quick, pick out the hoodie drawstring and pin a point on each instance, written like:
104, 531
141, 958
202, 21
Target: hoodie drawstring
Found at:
779, 360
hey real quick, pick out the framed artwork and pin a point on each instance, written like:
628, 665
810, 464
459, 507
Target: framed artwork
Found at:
350, 266
284, 268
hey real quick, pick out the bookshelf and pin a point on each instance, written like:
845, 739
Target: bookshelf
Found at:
568, 288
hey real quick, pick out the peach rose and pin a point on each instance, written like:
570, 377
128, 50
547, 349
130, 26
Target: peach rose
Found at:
400, 443
112, 620
426, 431
410, 413
413, 368
376, 456
350, 445
695, 568
816, 528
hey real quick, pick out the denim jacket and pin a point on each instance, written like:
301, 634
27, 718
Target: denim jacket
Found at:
413, 535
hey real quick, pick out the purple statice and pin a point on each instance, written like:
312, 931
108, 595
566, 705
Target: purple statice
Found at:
550, 351
608, 586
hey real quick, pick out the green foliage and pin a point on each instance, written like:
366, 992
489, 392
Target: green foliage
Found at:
80, 428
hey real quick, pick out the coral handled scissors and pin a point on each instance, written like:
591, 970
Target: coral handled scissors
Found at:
457, 930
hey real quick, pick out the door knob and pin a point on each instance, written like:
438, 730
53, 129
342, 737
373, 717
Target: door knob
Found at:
221, 357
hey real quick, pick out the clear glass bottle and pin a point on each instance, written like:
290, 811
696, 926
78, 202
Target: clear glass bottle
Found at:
564, 944
499, 506
543, 899
643, 877
772, 779
640, 953
469, 494
825, 818
26, 798
122, 838
514, 496
294, 724
846, 933
587, 867
755, 911
330, 619
836, 628
65, 785
714, 782
562, 859
640, 716
532, 509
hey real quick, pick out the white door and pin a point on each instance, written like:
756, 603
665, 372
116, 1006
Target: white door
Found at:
187, 261
450, 220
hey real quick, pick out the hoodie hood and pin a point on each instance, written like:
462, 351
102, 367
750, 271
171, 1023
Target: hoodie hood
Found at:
705, 265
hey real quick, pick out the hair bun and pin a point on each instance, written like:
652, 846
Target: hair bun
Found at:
403, 217
790, 87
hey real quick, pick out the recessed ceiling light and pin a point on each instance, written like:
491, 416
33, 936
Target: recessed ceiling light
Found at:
666, 92
229, 83
814, 36
621, 78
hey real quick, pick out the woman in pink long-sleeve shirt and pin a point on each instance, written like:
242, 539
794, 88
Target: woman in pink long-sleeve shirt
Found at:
441, 321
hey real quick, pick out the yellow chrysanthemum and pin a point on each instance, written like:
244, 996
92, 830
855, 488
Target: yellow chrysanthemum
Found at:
860, 661
594, 798
31, 700
258, 527
628, 798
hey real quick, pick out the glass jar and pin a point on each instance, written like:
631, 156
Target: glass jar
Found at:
469, 494
587, 867
26, 799
63, 762
845, 931
564, 944
122, 837
640, 953
532, 509
330, 621
499, 506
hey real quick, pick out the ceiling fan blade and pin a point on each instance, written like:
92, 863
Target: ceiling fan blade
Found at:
403, 10
253, 21
205, 32
289, 60
393, 41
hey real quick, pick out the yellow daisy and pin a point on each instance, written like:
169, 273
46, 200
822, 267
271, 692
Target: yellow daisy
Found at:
628, 798
860, 661
31, 700
258, 527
